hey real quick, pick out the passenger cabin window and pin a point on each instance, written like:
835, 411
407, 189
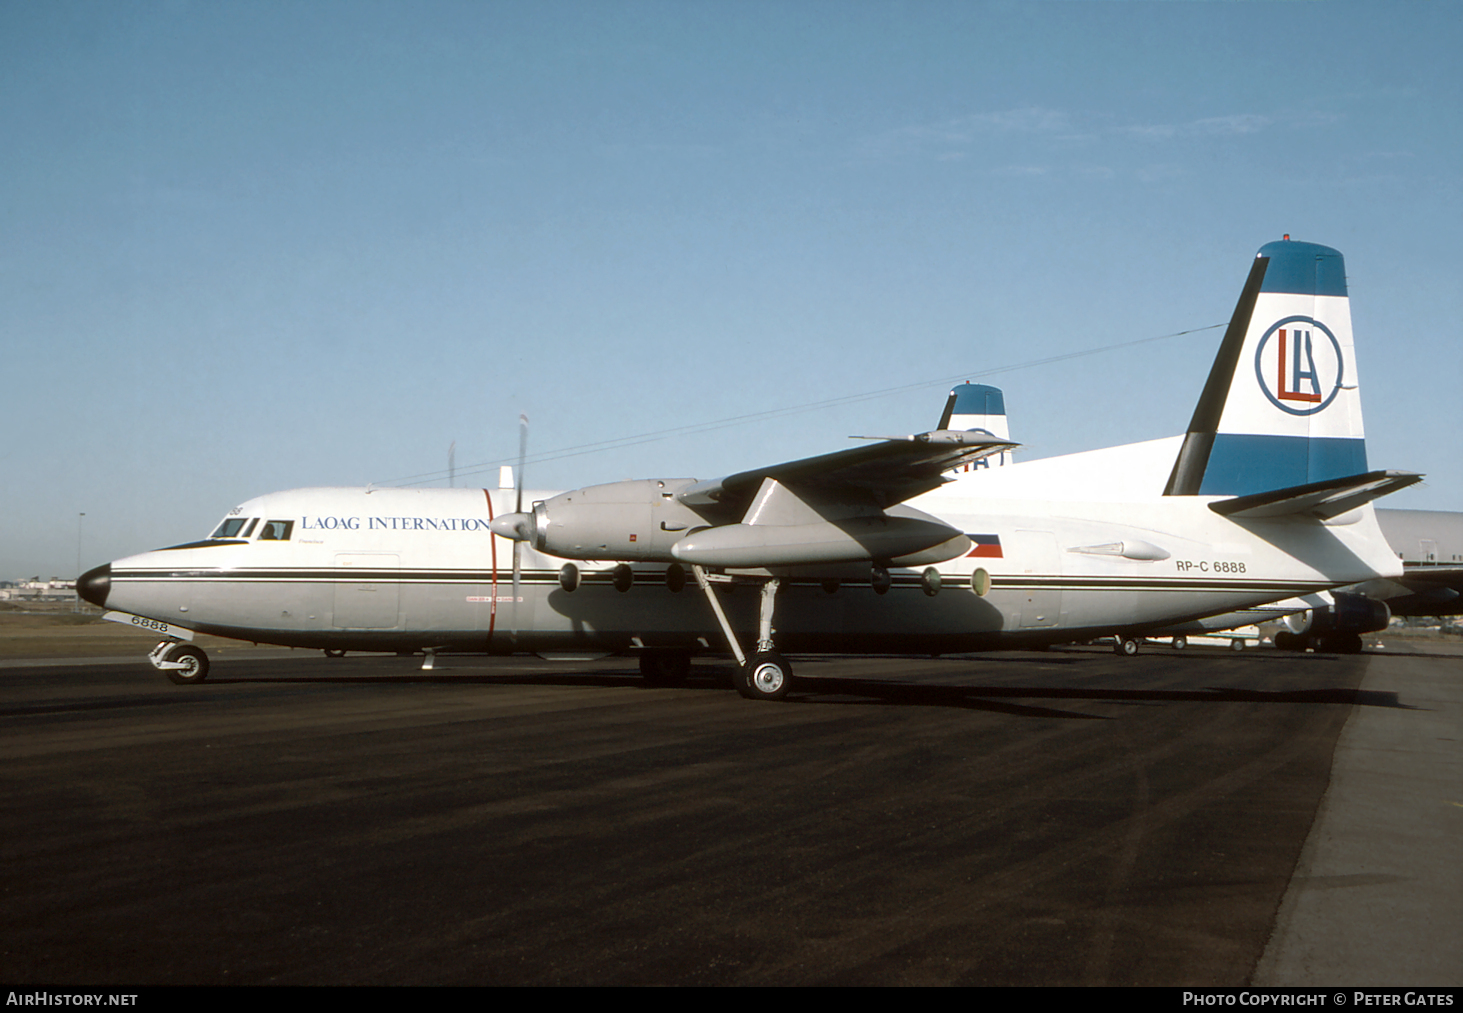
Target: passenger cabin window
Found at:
276, 531
230, 528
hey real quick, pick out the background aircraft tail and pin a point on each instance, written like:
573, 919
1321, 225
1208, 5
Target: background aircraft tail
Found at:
1281, 407
983, 408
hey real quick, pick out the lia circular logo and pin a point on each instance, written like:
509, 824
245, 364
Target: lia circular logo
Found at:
1299, 365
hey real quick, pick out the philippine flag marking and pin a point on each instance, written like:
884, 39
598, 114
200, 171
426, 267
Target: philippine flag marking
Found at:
988, 546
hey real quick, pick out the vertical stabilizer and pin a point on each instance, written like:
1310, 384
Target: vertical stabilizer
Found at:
1281, 407
982, 408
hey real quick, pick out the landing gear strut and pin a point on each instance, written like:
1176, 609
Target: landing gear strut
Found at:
767, 675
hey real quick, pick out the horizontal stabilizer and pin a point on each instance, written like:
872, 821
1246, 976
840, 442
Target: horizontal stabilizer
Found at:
1325, 500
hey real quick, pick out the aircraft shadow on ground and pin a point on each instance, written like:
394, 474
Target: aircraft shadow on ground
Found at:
984, 697
845, 691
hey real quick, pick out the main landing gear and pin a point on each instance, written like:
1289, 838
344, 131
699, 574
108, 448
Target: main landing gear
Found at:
766, 675
183, 663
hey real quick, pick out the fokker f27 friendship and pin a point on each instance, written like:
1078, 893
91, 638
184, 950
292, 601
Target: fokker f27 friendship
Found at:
879, 548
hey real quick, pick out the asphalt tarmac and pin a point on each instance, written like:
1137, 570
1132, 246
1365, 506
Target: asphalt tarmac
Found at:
1067, 817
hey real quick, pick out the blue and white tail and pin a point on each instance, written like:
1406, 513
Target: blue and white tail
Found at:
1277, 430
1281, 407
982, 408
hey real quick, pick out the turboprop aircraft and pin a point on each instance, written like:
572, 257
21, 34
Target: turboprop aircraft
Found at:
869, 549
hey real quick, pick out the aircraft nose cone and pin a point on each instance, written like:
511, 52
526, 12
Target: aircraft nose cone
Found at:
94, 585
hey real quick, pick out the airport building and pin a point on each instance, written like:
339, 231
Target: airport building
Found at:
36, 589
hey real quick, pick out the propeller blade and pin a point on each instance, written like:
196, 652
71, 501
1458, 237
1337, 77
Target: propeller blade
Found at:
521, 524
522, 455
513, 620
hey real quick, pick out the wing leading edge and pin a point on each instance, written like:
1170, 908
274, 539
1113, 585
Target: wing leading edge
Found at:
883, 474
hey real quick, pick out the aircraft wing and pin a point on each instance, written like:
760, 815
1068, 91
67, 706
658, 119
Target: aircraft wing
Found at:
885, 473
1424, 574
1434, 589
1424, 589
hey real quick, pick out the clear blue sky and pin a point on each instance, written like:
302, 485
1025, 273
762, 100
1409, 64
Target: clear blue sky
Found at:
251, 246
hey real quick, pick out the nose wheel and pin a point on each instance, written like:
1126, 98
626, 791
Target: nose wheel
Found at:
183, 664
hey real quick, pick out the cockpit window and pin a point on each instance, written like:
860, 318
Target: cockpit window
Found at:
229, 528
247, 531
276, 531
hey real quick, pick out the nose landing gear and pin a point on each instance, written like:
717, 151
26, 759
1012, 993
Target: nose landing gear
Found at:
183, 663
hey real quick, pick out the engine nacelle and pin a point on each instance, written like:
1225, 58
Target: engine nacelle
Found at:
850, 540
638, 520
1350, 614
644, 521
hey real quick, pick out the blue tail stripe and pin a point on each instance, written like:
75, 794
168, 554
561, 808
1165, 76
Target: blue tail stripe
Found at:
1303, 269
978, 399
1243, 464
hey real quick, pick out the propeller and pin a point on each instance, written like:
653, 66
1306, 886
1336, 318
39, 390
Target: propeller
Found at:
518, 525
523, 526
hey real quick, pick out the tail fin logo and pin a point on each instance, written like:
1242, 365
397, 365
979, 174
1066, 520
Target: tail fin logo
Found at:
1299, 365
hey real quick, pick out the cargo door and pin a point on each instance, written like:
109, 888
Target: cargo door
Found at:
1038, 567
367, 591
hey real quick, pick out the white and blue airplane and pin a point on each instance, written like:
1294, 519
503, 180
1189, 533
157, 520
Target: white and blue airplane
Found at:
871, 549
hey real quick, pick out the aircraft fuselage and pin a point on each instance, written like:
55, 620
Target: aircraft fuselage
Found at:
411, 570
